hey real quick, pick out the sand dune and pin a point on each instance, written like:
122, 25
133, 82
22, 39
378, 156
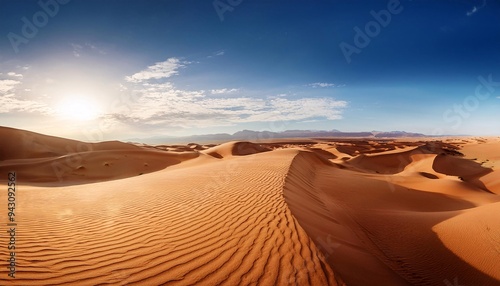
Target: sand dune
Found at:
486, 153
388, 212
399, 229
40, 158
478, 227
230, 149
21, 144
221, 222
93, 166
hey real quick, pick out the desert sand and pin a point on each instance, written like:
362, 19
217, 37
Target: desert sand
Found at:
309, 212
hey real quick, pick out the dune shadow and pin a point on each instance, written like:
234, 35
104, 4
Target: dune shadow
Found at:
394, 225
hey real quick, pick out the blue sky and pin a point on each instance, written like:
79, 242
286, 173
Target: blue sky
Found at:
100, 70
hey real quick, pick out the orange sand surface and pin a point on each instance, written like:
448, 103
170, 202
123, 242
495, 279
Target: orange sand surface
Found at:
310, 212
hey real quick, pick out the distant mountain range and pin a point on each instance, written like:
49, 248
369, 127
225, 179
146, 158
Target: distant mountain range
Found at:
249, 135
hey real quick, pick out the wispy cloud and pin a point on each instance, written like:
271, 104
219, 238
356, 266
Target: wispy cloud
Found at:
217, 54
96, 49
10, 102
164, 104
8, 85
321, 84
224, 91
475, 9
159, 70
13, 74
160, 102
79, 49
306, 108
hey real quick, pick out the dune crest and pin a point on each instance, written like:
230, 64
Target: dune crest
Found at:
299, 212
40, 158
219, 222
235, 148
401, 225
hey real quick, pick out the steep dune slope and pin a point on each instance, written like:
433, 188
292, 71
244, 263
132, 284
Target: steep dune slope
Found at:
396, 234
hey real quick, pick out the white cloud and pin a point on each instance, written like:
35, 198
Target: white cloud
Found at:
78, 49
321, 84
162, 103
95, 48
224, 91
159, 102
280, 95
13, 74
159, 70
300, 109
7, 85
217, 54
10, 103
475, 9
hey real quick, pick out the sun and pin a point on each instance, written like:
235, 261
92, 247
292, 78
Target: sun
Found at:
78, 109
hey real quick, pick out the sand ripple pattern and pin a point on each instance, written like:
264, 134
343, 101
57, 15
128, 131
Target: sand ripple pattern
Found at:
223, 222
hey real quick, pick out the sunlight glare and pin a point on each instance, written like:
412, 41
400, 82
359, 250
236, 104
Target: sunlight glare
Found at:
80, 109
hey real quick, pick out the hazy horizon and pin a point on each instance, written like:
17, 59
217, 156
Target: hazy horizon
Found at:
261, 136
93, 70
